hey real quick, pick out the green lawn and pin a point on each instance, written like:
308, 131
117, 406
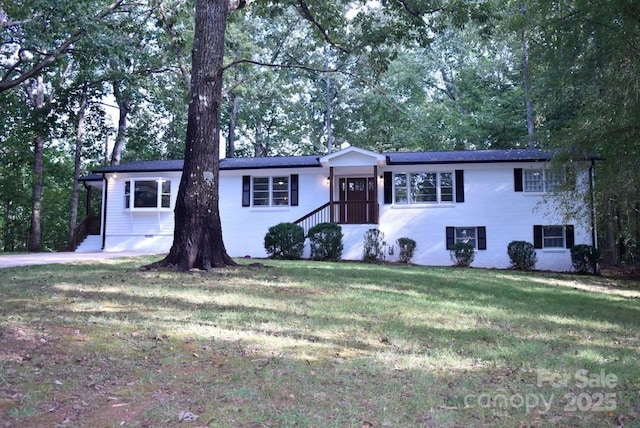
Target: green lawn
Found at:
310, 344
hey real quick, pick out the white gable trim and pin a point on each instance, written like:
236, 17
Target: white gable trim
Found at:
353, 156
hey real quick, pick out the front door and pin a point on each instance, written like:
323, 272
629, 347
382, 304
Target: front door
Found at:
357, 200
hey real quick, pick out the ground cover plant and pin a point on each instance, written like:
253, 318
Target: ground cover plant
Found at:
315, 344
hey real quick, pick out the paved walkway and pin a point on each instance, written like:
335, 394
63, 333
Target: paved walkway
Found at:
27, 259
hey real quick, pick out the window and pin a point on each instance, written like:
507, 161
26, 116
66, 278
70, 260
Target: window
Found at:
147, 194
423, 187
476, 236
553, 236
542, 180
270, 191
466, 235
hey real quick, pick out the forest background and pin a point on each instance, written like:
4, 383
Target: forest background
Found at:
85, 83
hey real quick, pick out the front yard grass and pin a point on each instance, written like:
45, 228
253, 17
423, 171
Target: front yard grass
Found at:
312, 344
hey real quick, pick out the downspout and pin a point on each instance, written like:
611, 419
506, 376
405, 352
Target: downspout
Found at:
331, 204
592, 202
87, 200
105, 195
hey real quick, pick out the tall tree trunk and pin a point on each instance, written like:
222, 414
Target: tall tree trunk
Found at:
328, 114
35, 230
197, 241
75, 191
233, 117
526, 75
124, 106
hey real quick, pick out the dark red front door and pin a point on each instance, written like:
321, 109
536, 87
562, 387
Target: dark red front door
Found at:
357, 200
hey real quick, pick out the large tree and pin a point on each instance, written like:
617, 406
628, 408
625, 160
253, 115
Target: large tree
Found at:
198, 239
198, 232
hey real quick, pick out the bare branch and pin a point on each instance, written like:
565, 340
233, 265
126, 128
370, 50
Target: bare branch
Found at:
239, 4
5, 23
306, 13
267, 64
48, 58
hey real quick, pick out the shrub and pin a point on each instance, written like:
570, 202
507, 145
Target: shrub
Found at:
325, 240
522, 255
373, 251
407, 247
284, 241
462, 254
585, 258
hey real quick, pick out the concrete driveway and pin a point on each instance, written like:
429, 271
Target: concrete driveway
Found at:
28, 259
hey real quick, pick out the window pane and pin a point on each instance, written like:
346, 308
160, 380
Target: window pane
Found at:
423, 187
446, 186
400, 188
261, 191
280, 191
553, 236
127, 194
166, 194
533, 180
553, 180
145, 194
467, 235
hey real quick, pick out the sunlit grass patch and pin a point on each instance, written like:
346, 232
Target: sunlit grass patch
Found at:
310, 344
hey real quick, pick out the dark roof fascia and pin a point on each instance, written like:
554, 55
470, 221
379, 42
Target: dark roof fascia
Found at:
91, 177
143, 166
470, 157
238, 168
443, 162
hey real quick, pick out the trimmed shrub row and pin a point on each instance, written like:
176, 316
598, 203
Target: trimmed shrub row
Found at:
286, 241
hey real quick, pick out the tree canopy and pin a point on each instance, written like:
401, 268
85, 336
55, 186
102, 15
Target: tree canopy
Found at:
306, 76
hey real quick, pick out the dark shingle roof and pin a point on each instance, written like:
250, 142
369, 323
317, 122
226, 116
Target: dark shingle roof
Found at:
271, 162
311, 161
469, 156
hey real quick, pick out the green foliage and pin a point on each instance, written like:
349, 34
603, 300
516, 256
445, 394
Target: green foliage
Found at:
373, 250
284, 241
407, 247
522, 255
325, 240
585, 258
462, 254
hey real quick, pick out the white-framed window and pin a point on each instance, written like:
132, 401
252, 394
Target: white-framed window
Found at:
553, 236
147, 193
467, 235
476, 236
423, 187
542, 180
270, 191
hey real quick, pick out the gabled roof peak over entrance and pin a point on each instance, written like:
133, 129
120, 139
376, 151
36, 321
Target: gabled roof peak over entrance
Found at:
353, 156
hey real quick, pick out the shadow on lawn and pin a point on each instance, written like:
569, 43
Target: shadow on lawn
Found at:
512, 328
355, 308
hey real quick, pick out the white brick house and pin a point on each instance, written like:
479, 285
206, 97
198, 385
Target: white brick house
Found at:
486, 197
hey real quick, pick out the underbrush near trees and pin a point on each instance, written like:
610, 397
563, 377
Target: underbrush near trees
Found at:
280, 345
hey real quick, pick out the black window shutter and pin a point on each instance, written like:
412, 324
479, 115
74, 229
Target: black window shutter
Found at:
537, 236
569, 237
482, 238
246, 190
517, 180
450, 237
459, 185
388, 187
294, 190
